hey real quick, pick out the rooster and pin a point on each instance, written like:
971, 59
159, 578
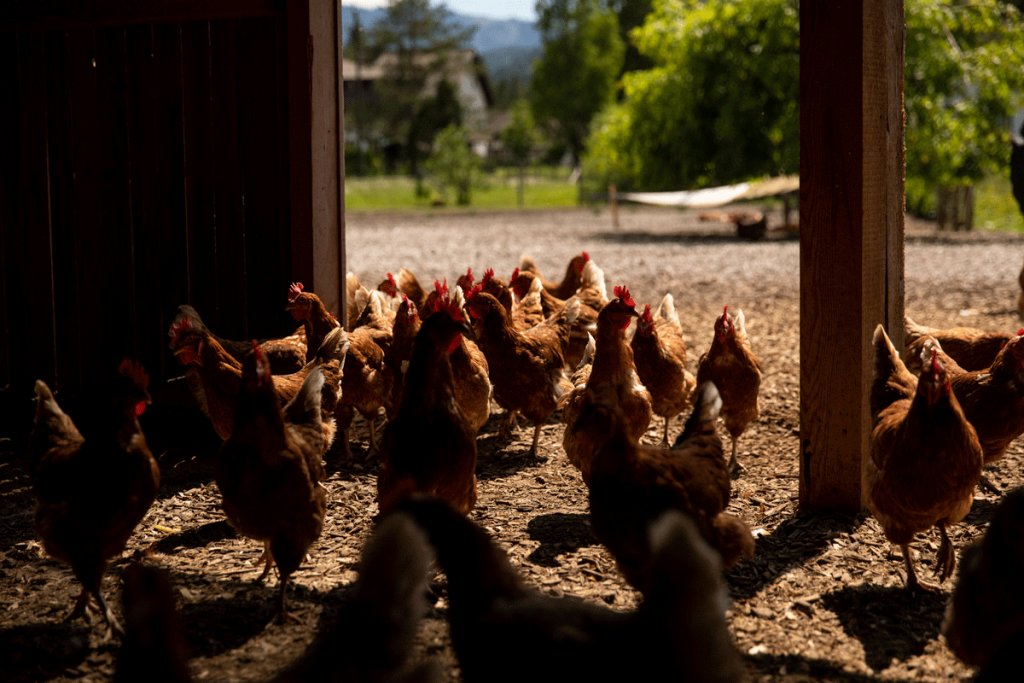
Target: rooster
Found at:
736, 371
925, 456
92, 493
678, 632
659, 352
269, 470
631, 484
430, 446
526, 368
612, 380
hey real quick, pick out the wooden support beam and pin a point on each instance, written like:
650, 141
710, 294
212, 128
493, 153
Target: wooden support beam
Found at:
851, 231
316, 148
71, 14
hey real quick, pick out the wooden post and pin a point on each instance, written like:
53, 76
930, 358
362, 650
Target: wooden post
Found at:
316, 149
852, 166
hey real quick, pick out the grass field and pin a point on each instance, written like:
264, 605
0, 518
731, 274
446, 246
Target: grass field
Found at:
546, 189
994, 206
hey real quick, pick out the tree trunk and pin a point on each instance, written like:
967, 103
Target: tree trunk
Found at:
521, 190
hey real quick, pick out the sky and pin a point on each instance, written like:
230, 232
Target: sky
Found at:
492, 9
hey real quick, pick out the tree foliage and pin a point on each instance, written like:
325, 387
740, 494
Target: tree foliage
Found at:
454, 164
576, 75
964, 81
721, 104
520, 137
420, 37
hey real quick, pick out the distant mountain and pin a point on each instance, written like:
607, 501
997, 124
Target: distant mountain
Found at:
507, 64
490, 35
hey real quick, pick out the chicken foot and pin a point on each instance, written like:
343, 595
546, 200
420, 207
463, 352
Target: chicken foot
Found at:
913, 583
282, 614
507, 425
735, 468
265, 559
84, 610
536, 438
945, 558
664, 439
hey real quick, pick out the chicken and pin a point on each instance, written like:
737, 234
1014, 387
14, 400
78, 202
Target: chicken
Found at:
403, 334
592, 291
286, 355
659, 352
736, 371
375, 310
612, 380
430, 446
497, 288
528, 310
925, 456
631, 484
269, 471
215, 376
92, 492
470, 372
351, 287
375, 631
972, 349
984, 622
317, 321
525, 367
368, 381
572, 281
154, 647
410, 286
523, 282
678, 633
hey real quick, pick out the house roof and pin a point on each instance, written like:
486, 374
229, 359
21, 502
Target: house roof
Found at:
458, 62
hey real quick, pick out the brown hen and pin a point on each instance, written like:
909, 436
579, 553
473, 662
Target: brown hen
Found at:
971, 348
92, 492
925, 456
736, 371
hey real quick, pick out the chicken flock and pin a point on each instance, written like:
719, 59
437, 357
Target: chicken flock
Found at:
434, 361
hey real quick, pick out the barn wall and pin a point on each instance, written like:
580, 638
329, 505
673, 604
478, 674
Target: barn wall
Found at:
143, 166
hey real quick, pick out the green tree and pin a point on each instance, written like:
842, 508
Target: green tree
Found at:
417, 38
454, 164
631, 15
576, 75
520, 137
721, 104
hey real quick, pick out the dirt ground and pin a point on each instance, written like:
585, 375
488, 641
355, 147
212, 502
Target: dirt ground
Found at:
821, 600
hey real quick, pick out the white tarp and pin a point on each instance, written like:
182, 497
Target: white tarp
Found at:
717, 196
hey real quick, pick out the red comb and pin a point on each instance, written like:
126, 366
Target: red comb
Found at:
515, 274
294, 291
331, 313
488, 274
646, 315
256, 350
469, 274
585, 255
391, 279
1020, 331
442, 290
725, 311
935, 361
135, 372
180, 328
474, 291
623, 294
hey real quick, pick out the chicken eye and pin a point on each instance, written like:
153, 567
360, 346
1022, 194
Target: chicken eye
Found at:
140, 408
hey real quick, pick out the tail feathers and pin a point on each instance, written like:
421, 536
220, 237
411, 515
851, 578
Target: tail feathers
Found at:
46, 404
362, 298
594, 277
571, 311
667, 310
527, 263
334, 346
705, 411
535, 287
740, 320
351, 282
887, 358
304, 408
912, 331
459, 297
588, 352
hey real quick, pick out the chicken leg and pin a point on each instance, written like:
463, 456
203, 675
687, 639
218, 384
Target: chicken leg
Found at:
536, 438
945, 558
664, 439
734, 465
913, 583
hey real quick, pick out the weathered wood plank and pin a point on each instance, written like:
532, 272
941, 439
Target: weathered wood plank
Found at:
11, 237
85, 200
146, 205
200, 205
34, 319
265, 284
116, 311
232, 316
62, 224
848, 228
168, 135
71, 14
316, 148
